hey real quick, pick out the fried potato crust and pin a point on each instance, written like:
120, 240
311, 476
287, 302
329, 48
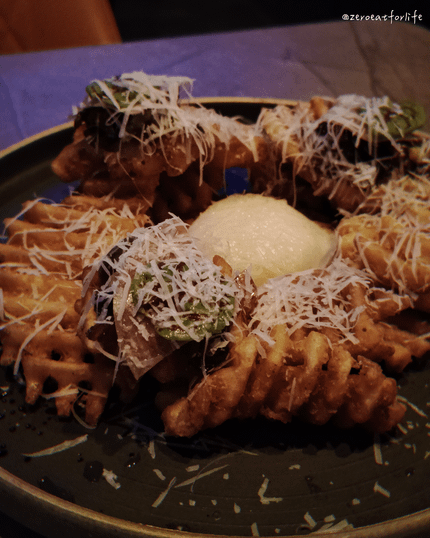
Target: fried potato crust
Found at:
43, 264
308, 378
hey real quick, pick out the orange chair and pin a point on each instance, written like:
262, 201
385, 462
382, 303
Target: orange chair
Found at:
32, 25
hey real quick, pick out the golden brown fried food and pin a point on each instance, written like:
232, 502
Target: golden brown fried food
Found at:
59, 357
181, 142
174, 176
192, 192
308, 378
78, 160
378, 337
311, 350
64, 238
330, 383
214, 399
342, 147
311, 344
371, 400
41, 274
390, 236
419, 153
185, 196
38, 298
294, 133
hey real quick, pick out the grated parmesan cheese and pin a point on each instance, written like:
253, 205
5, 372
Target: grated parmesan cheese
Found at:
155, 101
377, 488
58, 448
254, 529
159, 474
199, 476
164, 493
192, 468
262, 494
316, 144
377, 450
151, 449
414, 407
162, 285
111, 478
310, 520
311, 299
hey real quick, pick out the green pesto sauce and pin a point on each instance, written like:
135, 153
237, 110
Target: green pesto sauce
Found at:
411, 118
199, 317
123, 96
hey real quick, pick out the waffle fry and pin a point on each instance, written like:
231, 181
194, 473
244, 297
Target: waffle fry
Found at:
301, 357
390, 236
127, 146
172, 177
307, 378
43, 264
185, 196
342, 147
215, 398
192, 192
59, 355
64, 238
322, 355
378, 340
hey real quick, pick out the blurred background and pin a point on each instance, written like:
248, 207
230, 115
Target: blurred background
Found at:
32, 25
138, 18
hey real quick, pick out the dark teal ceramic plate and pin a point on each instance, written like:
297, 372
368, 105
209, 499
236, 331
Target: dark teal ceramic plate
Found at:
250, 478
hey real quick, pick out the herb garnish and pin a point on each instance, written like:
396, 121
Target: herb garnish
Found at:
163, 293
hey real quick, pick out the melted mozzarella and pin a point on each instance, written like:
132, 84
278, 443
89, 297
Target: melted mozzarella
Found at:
263, 233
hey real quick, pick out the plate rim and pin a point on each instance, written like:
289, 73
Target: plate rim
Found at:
34, 138
402, 527
195, 100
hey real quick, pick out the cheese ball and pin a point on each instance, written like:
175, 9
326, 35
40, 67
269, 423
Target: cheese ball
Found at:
263, 234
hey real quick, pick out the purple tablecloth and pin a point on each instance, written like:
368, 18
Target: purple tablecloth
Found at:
38, 90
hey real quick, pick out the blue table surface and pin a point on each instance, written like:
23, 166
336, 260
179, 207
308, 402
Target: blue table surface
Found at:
38, 90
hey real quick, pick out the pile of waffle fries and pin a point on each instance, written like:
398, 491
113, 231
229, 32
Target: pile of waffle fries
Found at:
319, 345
